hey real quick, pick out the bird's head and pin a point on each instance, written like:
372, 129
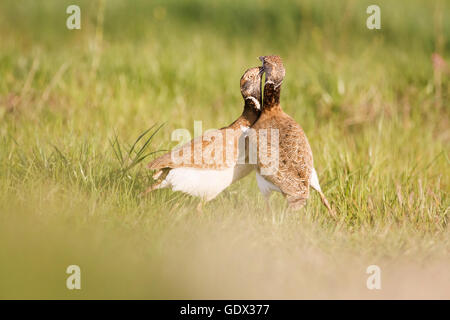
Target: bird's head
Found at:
251, 86
274, 69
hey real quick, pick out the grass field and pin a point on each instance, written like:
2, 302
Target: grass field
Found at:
376, 112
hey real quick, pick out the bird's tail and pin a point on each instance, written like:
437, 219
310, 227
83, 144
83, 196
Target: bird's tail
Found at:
315, 184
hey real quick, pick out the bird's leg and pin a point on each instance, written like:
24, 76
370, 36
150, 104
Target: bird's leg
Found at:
327, 205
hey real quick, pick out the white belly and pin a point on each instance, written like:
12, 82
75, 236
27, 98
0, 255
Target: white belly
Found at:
266, 187
203, 183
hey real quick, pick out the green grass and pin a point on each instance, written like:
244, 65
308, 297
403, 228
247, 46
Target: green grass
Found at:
73, 103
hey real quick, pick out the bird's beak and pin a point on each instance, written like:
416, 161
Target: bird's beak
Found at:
261, 71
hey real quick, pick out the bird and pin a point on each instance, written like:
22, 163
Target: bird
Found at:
208, 164
291, 171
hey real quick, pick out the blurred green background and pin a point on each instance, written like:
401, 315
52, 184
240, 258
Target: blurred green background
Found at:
372, 102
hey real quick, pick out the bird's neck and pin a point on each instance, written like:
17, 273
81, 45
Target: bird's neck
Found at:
249, 115
271, 96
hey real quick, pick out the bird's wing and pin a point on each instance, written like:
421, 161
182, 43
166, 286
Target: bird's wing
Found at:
216, 149
292, 172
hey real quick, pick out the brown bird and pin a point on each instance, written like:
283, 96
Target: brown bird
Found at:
286, 163
208, 164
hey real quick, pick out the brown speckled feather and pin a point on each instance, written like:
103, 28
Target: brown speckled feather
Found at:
200, 151
295, 165
293, 174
